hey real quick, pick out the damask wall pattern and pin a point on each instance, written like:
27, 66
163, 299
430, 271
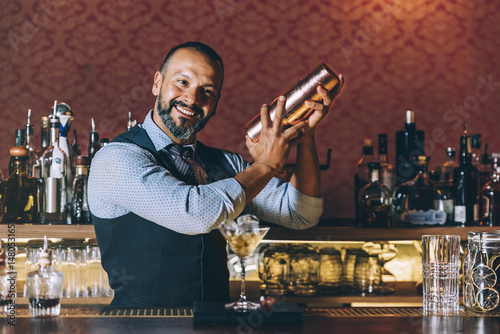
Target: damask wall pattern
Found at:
439, 58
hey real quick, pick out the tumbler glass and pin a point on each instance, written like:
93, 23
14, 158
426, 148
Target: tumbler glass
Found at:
441, 267
304, 270
330, 273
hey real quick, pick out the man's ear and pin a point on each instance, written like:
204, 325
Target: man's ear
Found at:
158, 79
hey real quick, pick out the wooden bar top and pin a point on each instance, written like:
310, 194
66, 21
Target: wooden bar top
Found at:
323, 320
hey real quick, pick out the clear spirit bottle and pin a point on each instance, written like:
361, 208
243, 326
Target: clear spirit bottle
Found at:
374, 201
53, 177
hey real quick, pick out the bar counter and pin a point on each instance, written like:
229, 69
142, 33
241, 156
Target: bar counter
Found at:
94, 320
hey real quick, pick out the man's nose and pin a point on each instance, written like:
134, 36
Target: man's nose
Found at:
190, 96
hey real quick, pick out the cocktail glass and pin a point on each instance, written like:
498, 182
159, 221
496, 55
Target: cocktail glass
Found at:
243, 236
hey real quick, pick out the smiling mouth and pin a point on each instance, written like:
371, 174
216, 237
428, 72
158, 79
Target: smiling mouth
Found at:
185, 111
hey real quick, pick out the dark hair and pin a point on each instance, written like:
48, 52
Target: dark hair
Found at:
198, 47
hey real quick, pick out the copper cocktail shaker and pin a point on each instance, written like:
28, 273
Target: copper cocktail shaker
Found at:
305, 89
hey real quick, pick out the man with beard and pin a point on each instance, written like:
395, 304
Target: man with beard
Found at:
157, 195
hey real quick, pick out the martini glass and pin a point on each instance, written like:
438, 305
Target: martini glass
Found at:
243, 236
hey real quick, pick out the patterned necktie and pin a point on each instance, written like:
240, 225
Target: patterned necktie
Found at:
190, 171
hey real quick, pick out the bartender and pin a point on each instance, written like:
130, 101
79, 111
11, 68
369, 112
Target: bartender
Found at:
157, 195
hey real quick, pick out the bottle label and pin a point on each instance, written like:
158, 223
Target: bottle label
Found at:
53, 193
446, 205
420, 217
476, 212
486, 207
460, 213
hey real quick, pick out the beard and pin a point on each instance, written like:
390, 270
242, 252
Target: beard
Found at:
182, 131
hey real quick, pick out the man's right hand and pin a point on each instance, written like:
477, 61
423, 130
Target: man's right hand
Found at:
270, 153
275, 143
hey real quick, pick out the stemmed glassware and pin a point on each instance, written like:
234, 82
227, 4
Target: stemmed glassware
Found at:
243, 236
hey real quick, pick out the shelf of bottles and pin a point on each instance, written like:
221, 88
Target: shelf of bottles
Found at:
463, 193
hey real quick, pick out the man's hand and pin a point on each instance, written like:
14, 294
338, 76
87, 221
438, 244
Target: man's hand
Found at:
275, 143
320, 111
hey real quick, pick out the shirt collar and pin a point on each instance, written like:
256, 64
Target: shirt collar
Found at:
159, 138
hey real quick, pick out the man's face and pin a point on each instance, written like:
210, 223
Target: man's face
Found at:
187, 94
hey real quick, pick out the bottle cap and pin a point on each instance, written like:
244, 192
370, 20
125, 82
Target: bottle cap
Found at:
410, 117
81, 160
18, 151
45, 255
367, 142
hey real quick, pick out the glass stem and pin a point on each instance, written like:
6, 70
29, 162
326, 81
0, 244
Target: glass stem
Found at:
243, 286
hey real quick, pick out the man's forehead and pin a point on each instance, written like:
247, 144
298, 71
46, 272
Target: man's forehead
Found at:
188, 61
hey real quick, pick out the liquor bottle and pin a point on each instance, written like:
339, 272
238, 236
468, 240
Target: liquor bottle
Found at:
20, 140
20, 135
19, 193
418, 202
66, 117
374, 201
80, 213
94, 145
130, 123
491, 196
44, 286
386, 168
53, 172
44, 135
33, 165
7, 277
446, 169
475, 145
409, 144
75, 147
466, 186
362, 176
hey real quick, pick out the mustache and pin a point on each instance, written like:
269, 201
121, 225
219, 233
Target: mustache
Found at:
193, 107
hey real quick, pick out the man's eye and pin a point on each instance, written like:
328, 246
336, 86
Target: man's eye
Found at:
182, 82
210, 92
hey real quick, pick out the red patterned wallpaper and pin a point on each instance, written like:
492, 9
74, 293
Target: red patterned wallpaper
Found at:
438, 57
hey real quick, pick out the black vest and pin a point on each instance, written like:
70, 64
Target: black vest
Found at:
151, 266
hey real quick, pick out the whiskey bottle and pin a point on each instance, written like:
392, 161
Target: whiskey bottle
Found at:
466, 186
19, 193
44, 286
491, 195
446, 169
53, 177
409, 144
33, 165
80, 213
418, 202
94, 145
362, 176
374, 201
386, 168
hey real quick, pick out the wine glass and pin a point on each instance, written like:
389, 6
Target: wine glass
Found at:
243, 236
